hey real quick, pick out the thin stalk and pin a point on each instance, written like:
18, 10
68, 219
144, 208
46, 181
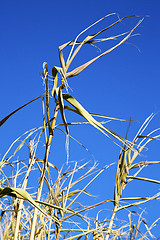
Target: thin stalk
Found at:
31, 162
111, 222
34, 221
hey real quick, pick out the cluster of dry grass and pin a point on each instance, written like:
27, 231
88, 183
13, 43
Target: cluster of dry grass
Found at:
51, 207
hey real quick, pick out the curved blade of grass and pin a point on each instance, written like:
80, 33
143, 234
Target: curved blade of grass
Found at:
79, 69
90, 37
49, 164
81, 43
61, 58
9, 115
21, 193
90, 119
55, 71
86, 41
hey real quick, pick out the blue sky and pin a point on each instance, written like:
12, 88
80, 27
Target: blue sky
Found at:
123, 84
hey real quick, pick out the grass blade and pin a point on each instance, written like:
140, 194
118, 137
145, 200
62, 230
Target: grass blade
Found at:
9, 115
89, 118
79, 69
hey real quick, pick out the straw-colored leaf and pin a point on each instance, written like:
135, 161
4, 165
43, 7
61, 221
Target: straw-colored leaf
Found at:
144, 179
55, 71
139, 202
141, 164
89, 118
20, 145
95, 114
79, 69
71, 194
88, 39
20, 193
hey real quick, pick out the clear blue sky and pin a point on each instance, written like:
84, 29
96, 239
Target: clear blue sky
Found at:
125, 83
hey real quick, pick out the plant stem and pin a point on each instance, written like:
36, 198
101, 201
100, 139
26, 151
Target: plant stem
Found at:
111, 223
19, 210
48, 145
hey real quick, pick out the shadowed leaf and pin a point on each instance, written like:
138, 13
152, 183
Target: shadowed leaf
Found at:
20, 193
9, 115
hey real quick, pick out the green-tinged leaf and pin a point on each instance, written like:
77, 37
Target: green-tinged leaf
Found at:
144, 179
89, 118
9, 115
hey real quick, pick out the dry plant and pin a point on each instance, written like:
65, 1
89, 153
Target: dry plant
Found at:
54, 209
